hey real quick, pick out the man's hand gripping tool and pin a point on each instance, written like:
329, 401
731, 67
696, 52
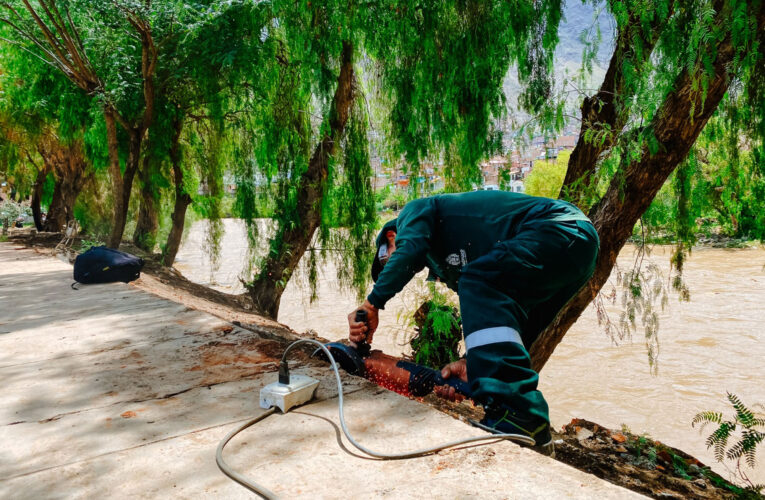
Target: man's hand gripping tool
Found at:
419, 380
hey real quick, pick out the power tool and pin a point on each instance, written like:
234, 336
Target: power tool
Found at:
404, 377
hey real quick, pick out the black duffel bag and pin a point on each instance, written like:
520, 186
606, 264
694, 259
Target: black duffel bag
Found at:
106, 265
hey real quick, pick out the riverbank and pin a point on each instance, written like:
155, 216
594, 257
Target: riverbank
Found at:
707, 347
112, 392
609, 454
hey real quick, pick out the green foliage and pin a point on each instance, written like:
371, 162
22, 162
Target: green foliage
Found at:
546, 177
747, 428
642, 289
643, 293
252, 84
92, 210
390, 199
441, 66
717, 191
86, 244
355, 205
438, 331
647, 453
751, 432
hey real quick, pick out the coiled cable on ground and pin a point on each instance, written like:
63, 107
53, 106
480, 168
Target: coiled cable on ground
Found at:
266, 493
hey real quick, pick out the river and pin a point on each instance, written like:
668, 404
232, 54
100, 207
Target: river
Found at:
707, 346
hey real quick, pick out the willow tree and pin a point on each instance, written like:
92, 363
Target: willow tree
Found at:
215, 73
315, 67
434, 73
673, 65
125, 55
108, 51
44, 124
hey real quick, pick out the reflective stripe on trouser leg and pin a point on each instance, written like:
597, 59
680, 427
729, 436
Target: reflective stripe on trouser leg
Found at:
492, 335
498, 365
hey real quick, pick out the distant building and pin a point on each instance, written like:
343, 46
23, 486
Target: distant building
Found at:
565, 143
506, 171
491, 170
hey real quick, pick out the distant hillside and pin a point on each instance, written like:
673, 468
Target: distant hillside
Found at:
578, 17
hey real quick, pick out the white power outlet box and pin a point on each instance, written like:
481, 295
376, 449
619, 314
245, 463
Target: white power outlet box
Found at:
301, 389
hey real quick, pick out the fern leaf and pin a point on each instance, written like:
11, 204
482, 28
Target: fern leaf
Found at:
706, 417
743, 414
750, 458
719, 439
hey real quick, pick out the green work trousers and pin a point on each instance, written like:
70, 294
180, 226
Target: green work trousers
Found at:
508, 296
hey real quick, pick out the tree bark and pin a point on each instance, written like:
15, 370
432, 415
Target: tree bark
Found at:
145, 234
56, 219
267, 289
115, 173
605, 114
61, 209
70, 169
631, 192
37, 192
182, 200
122, 184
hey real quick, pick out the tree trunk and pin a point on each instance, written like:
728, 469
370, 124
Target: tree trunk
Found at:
56, 219
266, 291
70, 169
145, 234
631, 192
61, 209
182, 200
605, 114
122, 184
37, 192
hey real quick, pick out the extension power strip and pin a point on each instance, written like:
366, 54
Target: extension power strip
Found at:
300, 389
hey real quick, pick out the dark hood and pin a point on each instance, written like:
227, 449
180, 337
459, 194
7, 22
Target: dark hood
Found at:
376, 265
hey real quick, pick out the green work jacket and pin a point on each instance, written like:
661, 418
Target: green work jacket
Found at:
446, 232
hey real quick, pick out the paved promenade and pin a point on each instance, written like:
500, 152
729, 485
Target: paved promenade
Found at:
112, 392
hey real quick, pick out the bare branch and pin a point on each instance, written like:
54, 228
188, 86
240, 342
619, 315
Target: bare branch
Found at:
46, 61
119, 118
55, 46
71, 45
75, 31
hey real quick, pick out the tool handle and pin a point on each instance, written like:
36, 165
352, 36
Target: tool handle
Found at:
362, 316
422, 380
459, 385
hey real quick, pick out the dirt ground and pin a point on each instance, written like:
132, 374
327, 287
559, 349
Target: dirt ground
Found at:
634, 462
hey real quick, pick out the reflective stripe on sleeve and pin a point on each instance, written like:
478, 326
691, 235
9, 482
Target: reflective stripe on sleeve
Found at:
493, 335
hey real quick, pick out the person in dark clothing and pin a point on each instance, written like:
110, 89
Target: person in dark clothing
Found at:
514, 260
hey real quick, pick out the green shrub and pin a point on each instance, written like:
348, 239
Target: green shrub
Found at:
438, 331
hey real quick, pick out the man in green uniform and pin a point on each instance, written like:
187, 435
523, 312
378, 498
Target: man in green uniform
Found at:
514, 260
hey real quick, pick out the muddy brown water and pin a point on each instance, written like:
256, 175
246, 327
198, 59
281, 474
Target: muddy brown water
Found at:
707, 346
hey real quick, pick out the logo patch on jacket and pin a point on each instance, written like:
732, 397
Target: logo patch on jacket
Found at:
457, 260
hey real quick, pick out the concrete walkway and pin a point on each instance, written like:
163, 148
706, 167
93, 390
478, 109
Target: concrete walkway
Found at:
111, 392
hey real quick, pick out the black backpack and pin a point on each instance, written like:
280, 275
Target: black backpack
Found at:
106, 265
